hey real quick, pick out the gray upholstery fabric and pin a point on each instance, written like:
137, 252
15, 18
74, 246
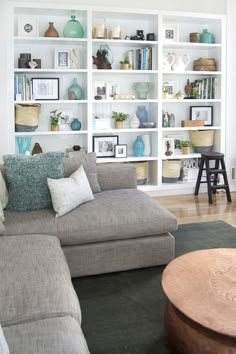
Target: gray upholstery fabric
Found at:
2, 228
113, 215
35, 280
116, 176
114, 256
89, 164
61, 335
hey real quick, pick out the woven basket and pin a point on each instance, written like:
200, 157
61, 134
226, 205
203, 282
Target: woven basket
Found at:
170, 171
202, 140
26, 117
142, 171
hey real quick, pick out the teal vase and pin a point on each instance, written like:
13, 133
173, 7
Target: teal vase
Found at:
75, 124
138, 147
73, 29
75, 91
207, 37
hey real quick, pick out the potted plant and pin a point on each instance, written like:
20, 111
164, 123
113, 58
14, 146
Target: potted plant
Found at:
185, 146
55, 119
119, 118
165, 90
124, 64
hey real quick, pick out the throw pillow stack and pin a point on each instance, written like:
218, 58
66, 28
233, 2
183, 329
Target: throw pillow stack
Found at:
38, 181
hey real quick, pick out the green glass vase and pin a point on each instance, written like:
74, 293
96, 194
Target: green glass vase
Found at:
73, 29
75, 91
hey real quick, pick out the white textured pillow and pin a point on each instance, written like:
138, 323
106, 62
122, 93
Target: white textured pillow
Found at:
3, 343
3, 192
68, 193
2, 218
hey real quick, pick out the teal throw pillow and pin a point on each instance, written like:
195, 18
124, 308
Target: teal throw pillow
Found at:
27, 179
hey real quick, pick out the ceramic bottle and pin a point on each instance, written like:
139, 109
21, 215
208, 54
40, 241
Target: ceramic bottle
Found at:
75, 91
207, 37
142, 115
73, 29
138, 147
51, 31
75, 124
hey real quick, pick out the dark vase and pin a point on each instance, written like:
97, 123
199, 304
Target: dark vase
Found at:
51, 31
75, 124
37, 149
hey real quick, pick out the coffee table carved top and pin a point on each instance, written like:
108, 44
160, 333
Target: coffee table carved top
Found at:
202, 285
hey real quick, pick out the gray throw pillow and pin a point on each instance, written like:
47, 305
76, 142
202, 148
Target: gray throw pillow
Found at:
68, 193
71, 164
27, 179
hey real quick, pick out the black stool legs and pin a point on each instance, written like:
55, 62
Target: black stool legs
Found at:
212, 186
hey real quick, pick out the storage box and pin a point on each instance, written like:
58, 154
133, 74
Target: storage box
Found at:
192, 123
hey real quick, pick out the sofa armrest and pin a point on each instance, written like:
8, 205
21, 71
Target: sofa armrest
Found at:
116, 176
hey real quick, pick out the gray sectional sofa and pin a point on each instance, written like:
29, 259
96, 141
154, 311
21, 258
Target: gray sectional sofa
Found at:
122, 228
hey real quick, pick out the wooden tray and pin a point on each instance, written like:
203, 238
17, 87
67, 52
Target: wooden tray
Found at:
192, 123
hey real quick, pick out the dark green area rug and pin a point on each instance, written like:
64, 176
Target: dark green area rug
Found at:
122, 313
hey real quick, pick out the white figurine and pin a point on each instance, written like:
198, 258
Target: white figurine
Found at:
75, 64
32, 64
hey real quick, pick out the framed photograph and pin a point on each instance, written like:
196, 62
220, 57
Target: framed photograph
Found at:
121, 150
170, 33
172, 87
100, 90
177, 138
113, 89
62, 58
168, 146
104, 146
45, 88
202, 113
27, 26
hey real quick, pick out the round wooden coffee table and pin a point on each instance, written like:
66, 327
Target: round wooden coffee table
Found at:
200, 314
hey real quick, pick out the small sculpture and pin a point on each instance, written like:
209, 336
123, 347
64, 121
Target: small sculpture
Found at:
37, 149
188, 89
32, 64
75, 64
103, 60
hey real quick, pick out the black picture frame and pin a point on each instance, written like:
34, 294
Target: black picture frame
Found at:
202, 113
104, 145
121, 150
45, 88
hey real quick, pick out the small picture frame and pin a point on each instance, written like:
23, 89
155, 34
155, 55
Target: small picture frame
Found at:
202, 113
104, 146
170, 33
113, 89
100, 90
168, 146
172, 88
62, 58
27, 26
45, 88
121, 150
177, 138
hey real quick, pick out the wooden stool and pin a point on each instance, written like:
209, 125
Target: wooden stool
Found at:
212, 186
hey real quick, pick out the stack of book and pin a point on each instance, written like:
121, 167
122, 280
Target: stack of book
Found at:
140, 59
22, 88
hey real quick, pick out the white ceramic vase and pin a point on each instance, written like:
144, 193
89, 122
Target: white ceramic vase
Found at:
147, 144
134, 123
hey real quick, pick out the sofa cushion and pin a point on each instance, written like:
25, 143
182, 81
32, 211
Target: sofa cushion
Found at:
68, 193
27, 179
3, 192
71, 164
3, 343
35, 280
50, 336
112, 215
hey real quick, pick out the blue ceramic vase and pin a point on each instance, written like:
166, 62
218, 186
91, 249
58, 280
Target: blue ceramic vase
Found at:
73, 29
207, 37
142, 115
75, 91
138, 147
75, 124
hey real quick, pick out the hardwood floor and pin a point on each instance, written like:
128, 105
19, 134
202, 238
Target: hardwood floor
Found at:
190, 208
